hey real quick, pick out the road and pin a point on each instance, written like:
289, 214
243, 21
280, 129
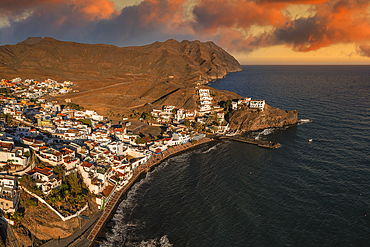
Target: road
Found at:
75, 236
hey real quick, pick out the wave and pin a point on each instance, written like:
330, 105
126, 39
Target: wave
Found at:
264, 132
211, 148
124, 232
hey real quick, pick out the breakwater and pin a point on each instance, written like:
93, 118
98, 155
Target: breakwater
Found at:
260, 143
155, 160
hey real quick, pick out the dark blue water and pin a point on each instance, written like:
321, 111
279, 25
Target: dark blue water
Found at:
234, 194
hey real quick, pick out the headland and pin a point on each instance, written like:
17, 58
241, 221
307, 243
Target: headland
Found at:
82, 143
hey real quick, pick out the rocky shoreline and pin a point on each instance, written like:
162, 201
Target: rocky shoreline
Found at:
247, 120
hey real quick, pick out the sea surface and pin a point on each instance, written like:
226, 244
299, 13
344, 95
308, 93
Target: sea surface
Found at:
235, 194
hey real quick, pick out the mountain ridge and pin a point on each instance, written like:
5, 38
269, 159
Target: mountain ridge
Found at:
186, 60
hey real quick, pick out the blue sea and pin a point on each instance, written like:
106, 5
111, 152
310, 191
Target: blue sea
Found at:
234, 194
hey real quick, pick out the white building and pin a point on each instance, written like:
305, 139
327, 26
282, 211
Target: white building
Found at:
9, 196
180, 138
257, 104
44, 179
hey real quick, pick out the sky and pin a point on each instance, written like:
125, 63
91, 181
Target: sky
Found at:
253, 31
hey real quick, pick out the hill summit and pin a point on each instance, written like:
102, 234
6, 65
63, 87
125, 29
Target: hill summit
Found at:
186, 60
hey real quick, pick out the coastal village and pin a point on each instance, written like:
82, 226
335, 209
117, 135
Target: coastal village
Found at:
53, 151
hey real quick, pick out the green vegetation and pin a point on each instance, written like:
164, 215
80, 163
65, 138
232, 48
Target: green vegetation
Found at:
198, 126
227, 105
135, 114
74, 106
139, 140
194, 141
26, 154
8, 118
70, 194
187, 122
32, 202
59, 171
18, 216
147, 116
85, 121
27, 182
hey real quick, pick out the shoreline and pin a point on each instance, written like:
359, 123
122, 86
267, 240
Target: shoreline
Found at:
99, 229
94, 234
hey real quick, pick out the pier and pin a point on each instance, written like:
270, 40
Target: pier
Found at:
260, 143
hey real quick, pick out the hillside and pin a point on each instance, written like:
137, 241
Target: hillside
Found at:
77, 61
118, 77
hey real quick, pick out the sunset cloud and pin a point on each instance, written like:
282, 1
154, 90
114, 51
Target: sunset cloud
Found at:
237, 25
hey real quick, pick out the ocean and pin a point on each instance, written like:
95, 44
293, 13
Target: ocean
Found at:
234, 194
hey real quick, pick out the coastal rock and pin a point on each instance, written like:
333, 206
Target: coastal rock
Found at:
251, 120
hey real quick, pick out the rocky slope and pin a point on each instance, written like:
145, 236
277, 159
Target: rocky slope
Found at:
252, 120
117, 79
186, 60
44, 224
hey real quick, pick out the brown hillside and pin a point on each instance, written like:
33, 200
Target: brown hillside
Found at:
111, 78
77, 61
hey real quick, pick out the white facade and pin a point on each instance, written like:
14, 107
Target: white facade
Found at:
257, 104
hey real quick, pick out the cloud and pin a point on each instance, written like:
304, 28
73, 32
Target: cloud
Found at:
230, 23
90, 9
364, 50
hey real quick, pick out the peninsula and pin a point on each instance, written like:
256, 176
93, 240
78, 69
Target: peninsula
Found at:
81, 122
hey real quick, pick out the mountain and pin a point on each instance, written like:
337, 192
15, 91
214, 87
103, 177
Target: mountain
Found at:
112, 78
186, 60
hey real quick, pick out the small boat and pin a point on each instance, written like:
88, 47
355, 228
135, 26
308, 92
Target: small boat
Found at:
301, 121
310, 140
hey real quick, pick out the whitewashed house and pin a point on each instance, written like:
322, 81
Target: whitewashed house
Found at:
257, 104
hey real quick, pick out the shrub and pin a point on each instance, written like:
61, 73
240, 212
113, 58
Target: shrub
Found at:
85, 121
32, 203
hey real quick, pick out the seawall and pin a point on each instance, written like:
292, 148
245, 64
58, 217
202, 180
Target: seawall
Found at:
155, 160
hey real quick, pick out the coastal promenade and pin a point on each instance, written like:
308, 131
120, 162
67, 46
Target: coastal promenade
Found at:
145, 168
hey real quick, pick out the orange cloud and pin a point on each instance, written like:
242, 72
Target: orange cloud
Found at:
230, 23
90, 9
333, 22
211, 15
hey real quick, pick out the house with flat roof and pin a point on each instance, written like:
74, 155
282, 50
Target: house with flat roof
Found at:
9, 194
257, 104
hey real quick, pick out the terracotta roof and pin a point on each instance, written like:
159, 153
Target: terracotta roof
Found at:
106, 192
87, 164
45, 171
57, 154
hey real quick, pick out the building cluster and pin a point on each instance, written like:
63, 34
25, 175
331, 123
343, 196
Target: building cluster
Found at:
104, 155
208, 112
83, 142
34, 89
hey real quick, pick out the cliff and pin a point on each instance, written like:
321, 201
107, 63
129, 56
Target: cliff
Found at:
252, 120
